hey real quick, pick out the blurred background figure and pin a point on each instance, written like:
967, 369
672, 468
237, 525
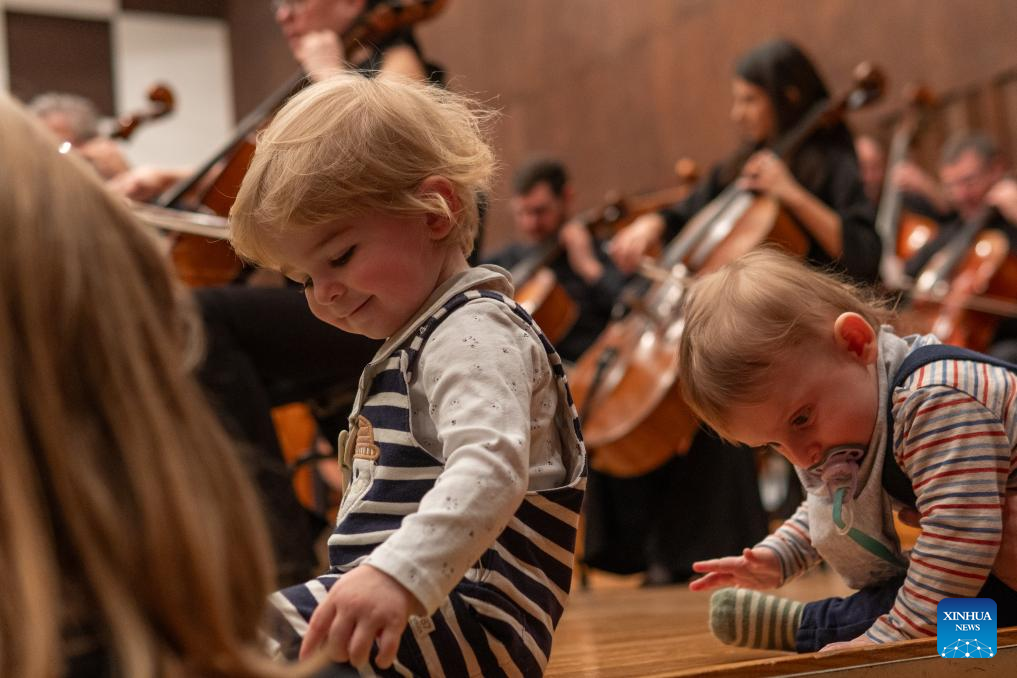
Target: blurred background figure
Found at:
542, 204
75, 120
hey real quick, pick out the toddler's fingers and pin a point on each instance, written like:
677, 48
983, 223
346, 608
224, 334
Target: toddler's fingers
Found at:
711, 581
388, 644
751, 557
317, 629
360, 643
728, 564
339, 637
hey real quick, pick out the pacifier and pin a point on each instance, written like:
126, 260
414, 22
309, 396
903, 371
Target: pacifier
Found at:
838, 471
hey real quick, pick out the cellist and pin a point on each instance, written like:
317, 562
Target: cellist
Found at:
973, 177
775, 84
75, 120
542, 197
707, 499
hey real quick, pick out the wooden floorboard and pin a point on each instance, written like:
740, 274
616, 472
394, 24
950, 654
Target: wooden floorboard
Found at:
616, 630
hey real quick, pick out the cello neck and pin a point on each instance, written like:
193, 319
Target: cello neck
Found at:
888, 214
251, 122
921, 101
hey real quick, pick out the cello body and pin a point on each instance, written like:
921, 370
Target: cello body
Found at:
551, 307
635, 419
957, 304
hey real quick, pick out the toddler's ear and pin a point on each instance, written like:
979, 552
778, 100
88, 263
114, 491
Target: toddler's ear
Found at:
855, 335
439, 224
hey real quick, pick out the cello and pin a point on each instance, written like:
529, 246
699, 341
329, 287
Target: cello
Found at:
626, 385
967, 286
214, 186
537, 288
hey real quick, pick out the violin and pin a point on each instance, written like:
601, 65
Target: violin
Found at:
537, 288
902, 232
967, 286
626, 385
214, 186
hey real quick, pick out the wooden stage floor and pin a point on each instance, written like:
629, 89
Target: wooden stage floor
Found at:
616, 629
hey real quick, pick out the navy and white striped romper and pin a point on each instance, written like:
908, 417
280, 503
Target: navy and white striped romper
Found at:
500, 618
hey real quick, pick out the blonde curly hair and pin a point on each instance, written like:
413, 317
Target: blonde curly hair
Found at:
351, 145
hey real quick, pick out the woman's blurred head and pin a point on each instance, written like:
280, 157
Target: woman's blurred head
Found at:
775, 84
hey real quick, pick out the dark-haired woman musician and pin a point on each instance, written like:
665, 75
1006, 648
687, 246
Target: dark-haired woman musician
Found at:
706, 501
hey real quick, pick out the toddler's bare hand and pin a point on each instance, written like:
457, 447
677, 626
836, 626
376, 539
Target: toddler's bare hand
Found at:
754, 569
364, 606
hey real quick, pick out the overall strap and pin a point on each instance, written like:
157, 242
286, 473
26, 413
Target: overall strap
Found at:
895, 481
415, 343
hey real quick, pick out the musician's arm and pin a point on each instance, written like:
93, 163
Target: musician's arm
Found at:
1003, 196
403, 61
822, 223
147, 182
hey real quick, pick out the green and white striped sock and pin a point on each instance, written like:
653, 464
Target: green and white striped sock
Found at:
752, 619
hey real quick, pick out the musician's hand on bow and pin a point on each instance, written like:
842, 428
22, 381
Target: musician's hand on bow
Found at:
1003, 196
105, 156
321, 54
628, 247
578, 244
910, 178
145, 182
766, 173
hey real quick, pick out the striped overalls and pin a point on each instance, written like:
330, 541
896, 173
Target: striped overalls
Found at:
500, 618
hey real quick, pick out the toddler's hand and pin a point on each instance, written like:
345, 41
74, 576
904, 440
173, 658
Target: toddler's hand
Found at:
753, 569
364, 605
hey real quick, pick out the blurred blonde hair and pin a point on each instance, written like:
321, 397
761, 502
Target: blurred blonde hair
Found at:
124, 510
351, 145
743, 318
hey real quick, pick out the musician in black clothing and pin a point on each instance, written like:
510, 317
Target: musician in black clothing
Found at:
541, 205
972, 176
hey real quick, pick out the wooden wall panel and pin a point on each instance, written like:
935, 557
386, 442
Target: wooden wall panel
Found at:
620, 90
212, 9
261, 60
50, 53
